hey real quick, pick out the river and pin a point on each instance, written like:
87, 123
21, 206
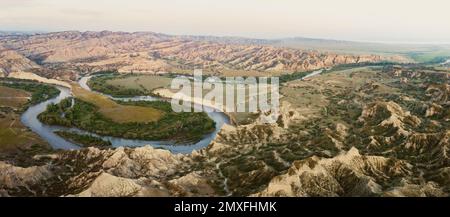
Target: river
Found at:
312, 74
29, 119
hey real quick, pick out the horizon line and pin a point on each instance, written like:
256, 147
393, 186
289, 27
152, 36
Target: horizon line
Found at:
235, 36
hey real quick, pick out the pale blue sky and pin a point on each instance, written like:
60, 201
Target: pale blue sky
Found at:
361, 20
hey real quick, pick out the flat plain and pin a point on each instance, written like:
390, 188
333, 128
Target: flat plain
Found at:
117, 112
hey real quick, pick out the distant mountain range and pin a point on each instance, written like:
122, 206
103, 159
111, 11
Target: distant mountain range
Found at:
414, 51
73, 52
3, 33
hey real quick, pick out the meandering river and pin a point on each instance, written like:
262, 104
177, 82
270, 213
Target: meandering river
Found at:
29, 119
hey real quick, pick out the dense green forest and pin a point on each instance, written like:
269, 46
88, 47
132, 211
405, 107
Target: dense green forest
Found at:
180, 127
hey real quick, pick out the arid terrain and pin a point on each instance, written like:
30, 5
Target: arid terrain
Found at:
66, 54
367, 130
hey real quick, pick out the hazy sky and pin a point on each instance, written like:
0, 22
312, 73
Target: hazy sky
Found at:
362, 20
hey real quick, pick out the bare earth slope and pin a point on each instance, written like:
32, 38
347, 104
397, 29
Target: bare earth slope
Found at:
12, 61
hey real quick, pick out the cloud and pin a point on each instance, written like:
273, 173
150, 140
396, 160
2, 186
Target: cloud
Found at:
16, 3
366, 20
81, 12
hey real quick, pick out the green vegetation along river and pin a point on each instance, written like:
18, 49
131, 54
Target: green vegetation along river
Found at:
47, 132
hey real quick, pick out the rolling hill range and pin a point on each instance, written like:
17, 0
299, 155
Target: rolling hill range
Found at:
11, 60
68, 53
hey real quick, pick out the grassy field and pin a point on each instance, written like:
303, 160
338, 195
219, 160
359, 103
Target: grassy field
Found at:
31, 92
141, 82
13, 135
10, 97
128, 85
116, 112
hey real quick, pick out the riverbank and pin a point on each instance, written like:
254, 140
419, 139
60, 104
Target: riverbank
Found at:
17, 143
177, 127
84, 140
47, 132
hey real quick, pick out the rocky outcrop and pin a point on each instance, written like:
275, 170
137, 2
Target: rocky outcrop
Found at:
439, 93
14, 177
429, 189
142, 171
433, 110
106, 185
382, 115
288, 115
348, 174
